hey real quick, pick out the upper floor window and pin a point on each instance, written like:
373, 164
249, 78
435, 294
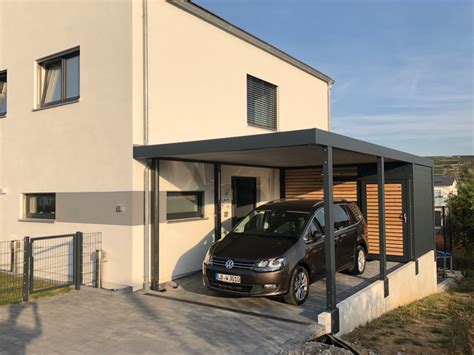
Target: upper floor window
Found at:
3, 93
261, 103
59, 78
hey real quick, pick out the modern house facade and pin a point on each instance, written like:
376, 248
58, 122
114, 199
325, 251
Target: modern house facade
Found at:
159, 124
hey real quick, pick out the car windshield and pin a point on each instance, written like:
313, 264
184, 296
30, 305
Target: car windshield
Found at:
281, 223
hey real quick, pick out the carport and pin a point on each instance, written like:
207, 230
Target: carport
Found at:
394, 189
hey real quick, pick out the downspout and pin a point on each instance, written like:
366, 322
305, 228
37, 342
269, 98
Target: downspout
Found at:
145, 72
146, 217
330, 85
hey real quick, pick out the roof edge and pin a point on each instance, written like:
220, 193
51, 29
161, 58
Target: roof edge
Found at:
206, 15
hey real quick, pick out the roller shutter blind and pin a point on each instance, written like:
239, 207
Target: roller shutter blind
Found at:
261, 103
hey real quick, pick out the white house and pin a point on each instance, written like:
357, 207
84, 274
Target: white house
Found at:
89, 81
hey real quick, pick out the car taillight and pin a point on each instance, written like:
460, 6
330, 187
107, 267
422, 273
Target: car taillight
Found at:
366, 229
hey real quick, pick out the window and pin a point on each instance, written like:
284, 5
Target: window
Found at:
341, 219
340, 216
354, 212
40, 206
59, 78
313, 230
184, 205
261, 103
273, 223
438, 220
3, 93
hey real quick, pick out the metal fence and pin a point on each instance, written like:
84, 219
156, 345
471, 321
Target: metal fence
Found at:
91, 259
39, 264
11, 271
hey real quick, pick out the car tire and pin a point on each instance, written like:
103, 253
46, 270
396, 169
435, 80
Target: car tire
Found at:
360, 260
299, 287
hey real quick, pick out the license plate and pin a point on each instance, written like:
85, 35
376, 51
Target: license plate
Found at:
234, 279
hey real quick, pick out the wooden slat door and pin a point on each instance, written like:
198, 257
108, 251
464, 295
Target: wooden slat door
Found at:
394, 218
308, 183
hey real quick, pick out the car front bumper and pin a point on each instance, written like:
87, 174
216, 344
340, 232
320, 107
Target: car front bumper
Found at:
252, 283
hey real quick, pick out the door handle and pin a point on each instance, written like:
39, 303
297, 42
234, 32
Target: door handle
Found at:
403, 216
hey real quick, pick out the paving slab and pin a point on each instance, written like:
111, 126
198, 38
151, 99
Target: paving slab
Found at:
90, 322
191, 289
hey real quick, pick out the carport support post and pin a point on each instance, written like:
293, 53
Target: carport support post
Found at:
217, 202
155, 222
382, 234
329, 244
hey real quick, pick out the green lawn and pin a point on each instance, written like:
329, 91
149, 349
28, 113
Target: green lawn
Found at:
11, 288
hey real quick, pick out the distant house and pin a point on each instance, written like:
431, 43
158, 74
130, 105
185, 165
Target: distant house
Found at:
443, 187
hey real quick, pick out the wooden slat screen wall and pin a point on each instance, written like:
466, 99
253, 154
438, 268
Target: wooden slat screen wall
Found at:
308, 183
393, 220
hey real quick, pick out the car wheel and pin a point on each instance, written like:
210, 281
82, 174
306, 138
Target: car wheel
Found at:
299, 287
359, 261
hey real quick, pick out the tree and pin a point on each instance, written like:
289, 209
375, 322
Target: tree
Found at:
462, 212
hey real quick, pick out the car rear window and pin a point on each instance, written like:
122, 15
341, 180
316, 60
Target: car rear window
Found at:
354, 212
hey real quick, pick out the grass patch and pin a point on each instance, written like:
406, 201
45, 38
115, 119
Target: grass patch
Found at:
441, 323
11, 289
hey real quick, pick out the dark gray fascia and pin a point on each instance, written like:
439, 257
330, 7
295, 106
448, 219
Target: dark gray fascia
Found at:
312, 136
355, 145
217, 21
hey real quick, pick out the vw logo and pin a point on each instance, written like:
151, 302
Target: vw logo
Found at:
229, 264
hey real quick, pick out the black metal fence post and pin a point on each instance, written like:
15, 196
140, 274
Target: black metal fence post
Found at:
77, 260
26, 268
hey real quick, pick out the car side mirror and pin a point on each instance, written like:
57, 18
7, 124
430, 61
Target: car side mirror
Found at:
314, 236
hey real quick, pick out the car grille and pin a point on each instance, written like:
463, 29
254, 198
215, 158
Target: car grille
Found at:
244, 265
230, 287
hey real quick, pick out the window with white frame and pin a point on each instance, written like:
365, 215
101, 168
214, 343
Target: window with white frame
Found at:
59, 78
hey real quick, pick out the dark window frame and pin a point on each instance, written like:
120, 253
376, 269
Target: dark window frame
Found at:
4, 78
28, 214
60, 58
251, 120
185, 215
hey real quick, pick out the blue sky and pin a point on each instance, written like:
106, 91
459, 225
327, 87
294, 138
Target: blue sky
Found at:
404, 70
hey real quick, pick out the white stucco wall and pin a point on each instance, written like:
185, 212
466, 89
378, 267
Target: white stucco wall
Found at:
197, 90
198, 84
405, 286
183, 243
80, 147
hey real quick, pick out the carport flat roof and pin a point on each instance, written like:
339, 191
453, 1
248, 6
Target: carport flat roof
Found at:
299, 148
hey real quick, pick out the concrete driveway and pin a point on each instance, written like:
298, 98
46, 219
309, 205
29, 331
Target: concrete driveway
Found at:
89, 321
188, 319
191, 289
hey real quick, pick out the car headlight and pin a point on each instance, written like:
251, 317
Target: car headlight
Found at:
207, 258
270, 264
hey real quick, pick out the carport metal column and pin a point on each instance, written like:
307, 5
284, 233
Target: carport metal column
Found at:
217, 201
329, 243
382, 234
155, 222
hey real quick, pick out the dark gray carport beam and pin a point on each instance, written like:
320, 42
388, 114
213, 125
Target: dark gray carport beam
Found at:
329, 240
306, 137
